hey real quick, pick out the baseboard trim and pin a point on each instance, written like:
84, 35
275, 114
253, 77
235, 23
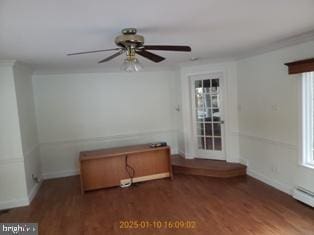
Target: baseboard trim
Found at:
244, 161
303, 197
181, 153
274, 183
174, 151
186, 155
34, 191
14, 203
60, 174
233, 160
21, 202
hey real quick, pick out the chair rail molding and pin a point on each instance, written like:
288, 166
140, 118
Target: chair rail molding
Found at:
60, 158
267, 140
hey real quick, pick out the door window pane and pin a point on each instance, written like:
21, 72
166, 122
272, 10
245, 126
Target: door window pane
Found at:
217, 143
216, 115
215, 82
208, 100
209, 143
206, 83
200, 115
199, 101
208, 115
214, 100
208, 129
217, 129
215, 85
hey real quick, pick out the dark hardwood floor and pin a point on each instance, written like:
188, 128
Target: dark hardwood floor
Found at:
240, 205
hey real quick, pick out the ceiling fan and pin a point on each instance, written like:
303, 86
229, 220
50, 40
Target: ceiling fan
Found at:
131, 44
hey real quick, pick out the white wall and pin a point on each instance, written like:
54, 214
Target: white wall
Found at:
269, 117
27, 121
13, 190
77, 112
186, 138
10, 146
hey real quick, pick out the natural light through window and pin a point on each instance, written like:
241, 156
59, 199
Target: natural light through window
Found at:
308, 119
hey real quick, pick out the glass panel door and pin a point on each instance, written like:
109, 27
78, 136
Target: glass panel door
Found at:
208, 117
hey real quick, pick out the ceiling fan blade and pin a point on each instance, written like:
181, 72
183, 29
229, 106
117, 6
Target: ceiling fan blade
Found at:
167, 48
112, 56
150, 56
87, 52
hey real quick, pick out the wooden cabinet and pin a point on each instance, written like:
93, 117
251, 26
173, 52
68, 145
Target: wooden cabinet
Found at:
107, 167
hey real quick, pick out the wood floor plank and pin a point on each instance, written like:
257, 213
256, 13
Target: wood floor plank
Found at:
240, 205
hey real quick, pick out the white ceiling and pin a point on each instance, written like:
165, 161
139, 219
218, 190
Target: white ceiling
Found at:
40, 33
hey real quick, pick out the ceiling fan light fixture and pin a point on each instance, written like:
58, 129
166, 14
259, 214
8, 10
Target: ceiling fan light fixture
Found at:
133, 44
131, 65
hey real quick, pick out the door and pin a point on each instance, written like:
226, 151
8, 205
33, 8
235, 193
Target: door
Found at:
207, 108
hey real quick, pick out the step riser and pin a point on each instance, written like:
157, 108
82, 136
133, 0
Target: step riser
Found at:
204, 167
206, 172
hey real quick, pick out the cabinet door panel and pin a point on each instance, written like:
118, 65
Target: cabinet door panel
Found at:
105, 172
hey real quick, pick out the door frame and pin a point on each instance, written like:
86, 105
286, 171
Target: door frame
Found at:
199, 153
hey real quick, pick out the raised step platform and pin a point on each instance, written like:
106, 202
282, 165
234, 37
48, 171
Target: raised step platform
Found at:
212, 168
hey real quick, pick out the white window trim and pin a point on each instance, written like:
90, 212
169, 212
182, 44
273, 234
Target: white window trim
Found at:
307, 120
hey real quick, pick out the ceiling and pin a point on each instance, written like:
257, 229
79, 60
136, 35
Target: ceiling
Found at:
41, 33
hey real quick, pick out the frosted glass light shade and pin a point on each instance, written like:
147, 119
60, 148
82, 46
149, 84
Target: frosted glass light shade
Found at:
131, 65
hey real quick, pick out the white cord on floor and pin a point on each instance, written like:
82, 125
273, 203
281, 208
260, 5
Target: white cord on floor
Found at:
126, 185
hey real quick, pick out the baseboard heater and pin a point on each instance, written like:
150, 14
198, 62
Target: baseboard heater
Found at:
304, 196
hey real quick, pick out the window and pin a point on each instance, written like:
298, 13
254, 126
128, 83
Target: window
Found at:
308, 119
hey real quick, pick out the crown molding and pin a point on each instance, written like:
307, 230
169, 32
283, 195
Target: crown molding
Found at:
20, 64
16, 63
100, 70
272, 46
276, 45
206, 62
262, 49
7, 63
